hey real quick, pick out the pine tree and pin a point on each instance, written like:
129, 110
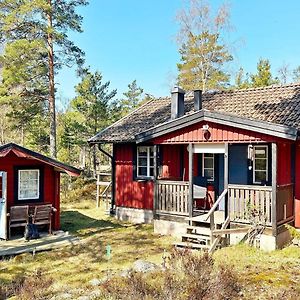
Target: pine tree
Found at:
92, 106
132, 98
263, 77
34, 28
204, 53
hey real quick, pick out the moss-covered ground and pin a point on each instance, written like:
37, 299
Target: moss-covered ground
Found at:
263, 275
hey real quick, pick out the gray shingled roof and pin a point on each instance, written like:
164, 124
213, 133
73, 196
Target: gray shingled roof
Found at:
274, 104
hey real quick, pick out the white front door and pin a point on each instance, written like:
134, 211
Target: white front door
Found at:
3, 206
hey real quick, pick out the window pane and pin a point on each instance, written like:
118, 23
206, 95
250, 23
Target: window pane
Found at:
151, 151
261, 164
143, 162
260, 176
142, 171
151, 162
208, 163
208, 155
151, 171
260, 152
142, 151
209, 173
28, 184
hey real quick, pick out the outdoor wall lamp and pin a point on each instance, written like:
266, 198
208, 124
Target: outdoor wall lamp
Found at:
206, 132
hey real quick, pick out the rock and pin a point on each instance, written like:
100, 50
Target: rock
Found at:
64, 296
95, 282
95, 294
144, 266
84, 298
125, 273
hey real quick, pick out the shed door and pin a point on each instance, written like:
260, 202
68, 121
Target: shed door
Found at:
3, 206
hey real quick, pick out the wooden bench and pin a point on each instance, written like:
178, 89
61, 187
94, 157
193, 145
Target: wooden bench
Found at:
43, 215
18, 217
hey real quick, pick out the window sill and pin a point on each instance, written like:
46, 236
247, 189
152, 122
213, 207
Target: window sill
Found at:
142, 179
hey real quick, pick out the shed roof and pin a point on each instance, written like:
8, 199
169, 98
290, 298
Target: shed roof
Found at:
26, 153
278, 104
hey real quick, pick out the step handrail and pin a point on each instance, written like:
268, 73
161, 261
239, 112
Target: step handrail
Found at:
216, 204
215, 242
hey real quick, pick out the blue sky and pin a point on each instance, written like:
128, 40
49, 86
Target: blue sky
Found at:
135, 39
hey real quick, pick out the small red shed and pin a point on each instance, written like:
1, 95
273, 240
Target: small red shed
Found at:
29, 178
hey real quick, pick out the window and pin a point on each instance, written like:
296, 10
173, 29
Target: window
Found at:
208, 163
28, 184
260, 164
145, 161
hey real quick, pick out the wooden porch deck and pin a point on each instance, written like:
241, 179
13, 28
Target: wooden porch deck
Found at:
46, 242
219, 217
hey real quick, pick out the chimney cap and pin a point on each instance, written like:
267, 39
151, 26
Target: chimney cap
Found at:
177, 89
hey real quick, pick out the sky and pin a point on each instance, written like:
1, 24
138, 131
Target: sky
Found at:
136, 39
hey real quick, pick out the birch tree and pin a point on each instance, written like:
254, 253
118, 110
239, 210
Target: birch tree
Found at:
204, 52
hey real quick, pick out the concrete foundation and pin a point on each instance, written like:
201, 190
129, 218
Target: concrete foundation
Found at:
134, 215
169, 227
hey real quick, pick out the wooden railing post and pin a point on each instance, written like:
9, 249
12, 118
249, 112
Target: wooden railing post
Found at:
191, 180
274, 189
155, 194
212, 228
226, 179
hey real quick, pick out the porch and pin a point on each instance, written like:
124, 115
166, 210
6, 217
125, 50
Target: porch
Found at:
245, 203
269, 204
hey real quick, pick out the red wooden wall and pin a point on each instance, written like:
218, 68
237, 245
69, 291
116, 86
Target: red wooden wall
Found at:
171, 156
284, 164
130, 193
139, 194
51, 182
218, 134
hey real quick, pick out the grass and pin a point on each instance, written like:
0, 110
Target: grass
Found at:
74, 267
261, 274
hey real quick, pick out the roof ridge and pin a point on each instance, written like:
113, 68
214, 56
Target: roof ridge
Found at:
272, 86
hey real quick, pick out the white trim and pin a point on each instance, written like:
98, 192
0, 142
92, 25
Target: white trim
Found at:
213, 167
148, 166
267, 167
38, 184
209, 148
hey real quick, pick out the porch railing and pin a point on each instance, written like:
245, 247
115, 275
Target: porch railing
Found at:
250, 203
172, 197
284, 203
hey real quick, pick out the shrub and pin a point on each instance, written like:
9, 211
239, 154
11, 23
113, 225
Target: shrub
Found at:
189, 276
34, 287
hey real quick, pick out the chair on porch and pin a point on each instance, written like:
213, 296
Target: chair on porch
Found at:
18, 217
200, 192
43, 215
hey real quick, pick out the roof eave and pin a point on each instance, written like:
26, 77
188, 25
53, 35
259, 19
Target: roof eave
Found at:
276, 130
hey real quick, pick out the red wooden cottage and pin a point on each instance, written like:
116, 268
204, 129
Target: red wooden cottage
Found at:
29, 178
234, 154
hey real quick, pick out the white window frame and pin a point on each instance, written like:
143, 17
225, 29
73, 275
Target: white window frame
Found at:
213, 167
148, 161
254, 164
19, 185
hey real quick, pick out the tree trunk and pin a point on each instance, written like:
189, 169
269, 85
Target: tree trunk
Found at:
52, 111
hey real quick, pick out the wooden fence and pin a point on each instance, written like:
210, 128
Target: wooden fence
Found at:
250, 203
172, 197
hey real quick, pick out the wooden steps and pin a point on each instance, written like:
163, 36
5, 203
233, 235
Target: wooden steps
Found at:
191, 245
198, 234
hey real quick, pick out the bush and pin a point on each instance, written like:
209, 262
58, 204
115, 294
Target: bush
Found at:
32, 287
188, 276
79, 190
